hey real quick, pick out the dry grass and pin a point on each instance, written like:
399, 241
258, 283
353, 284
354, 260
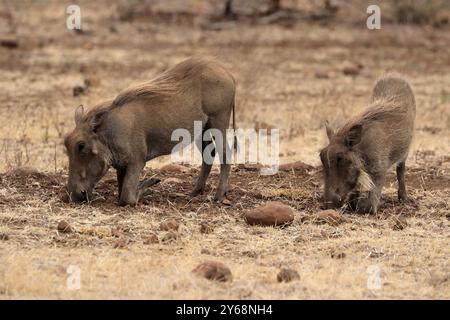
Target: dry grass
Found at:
290, 77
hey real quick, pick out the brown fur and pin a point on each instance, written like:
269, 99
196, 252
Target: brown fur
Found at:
367, 145
136, 126
170, 83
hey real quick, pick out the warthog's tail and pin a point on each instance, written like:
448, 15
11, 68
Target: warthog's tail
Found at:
235, 144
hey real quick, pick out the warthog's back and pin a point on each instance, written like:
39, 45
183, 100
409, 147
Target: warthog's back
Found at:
189, 80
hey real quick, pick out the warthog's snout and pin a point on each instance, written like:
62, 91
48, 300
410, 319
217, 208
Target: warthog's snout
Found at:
78, 195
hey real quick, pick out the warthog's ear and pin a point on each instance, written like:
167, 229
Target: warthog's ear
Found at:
330, 130
353, 136
79, 114
96, 120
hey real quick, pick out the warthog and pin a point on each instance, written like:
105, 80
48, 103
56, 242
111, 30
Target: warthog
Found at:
137, 126
361, 152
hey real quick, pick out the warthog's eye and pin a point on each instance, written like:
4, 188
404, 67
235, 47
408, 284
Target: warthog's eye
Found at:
80, 146
339, 158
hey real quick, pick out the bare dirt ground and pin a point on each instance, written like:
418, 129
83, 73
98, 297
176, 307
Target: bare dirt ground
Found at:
293, 76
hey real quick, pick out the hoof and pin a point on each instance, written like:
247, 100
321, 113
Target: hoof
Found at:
365, 206
219, 197
195, 193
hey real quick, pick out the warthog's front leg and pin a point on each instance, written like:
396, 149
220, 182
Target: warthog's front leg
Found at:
132, 190
129, 192
372, 203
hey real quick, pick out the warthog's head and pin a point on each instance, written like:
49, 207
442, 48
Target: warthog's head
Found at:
89, 159
343, 166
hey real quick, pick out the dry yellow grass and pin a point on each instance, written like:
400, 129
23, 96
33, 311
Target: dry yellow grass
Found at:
277, 71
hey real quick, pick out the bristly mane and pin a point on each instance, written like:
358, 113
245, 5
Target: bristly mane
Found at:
378, 110
171, 82
391, 99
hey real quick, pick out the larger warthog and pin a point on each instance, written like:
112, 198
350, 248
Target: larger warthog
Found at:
361, 152
137, 126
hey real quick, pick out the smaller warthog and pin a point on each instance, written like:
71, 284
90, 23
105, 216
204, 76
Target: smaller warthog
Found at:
361, 152
137, 126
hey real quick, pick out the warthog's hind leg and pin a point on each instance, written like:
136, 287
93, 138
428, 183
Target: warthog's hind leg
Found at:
225, 166
401, 168
204, 172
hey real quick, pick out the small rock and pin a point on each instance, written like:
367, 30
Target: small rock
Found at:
329, 216
151, 239
399, 223
287, 275
170, 236
170, 224
206, 228
78, 90
352, 69
205, 251
250, 254
338, 255
321, 75
9, 42
174, 168
4, 236
298, 165
273, 213
172, 181
64, 227
213, 270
